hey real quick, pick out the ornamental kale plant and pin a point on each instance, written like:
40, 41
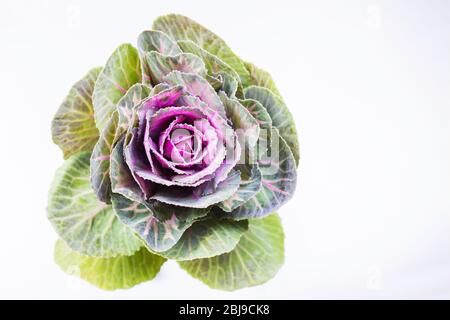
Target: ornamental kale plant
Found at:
177, 150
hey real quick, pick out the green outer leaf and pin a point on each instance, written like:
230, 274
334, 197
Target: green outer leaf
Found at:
100, 160
281, 116
279, 179
262, 78
73, 126
255, 260
152, 40
207, 238
80, 219
161, 65
162, 226
181, 28
121, 71
121, 272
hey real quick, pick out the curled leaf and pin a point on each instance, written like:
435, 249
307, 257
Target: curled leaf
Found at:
160, 225
278, 182
281, 116
207, 238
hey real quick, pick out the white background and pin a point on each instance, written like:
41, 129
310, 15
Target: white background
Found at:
368, 83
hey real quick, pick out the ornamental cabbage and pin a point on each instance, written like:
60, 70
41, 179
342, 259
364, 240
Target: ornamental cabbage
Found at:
177, 149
